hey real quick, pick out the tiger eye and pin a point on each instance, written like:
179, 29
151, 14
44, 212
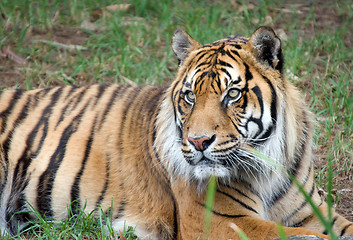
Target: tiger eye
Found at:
234, 93
190, 96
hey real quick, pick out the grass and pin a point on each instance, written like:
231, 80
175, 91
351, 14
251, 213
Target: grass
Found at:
79, 225
134, 45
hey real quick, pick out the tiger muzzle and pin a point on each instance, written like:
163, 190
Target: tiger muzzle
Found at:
202, 143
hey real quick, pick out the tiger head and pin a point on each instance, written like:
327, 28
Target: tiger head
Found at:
223, 104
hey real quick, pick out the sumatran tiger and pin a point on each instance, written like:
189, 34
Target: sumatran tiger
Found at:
146, 153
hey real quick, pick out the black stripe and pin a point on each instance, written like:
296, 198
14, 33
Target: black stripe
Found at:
214, 89
201, 64
245, 103
234, 52
232, 140
227, 73
238, 201
173, 96
106, 184
198, 84
223, 63
184, 82
204, 74
218, 81
6, 144
25, 159
332, 223
4, 169
237, 46
258, 122
302, 222
293, 171
46, 180
228, 149
256, 90
307, 176
303, 204
110, 103
229, 54
131, 97
7, 112
43, 121
180, 110
241, 193
101, 90
236, 127
224, 214
345, 228
248, 74
20, 182
221, 48
229, 216
175, 218
75, 188
121, 209
237, 81
72, 100
299, 155
273, 102
264, 137
201, 55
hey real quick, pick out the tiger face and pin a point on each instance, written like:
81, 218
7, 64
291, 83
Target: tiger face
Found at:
225, 106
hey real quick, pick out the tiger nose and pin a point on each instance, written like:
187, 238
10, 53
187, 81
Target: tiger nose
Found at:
202, 143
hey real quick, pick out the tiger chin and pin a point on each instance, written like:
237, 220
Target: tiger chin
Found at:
146, 153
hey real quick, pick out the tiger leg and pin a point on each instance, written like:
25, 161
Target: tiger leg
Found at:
222, 226
299, 212
340, 225
232, 206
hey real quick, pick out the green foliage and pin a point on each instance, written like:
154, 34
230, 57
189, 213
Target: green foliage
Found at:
210, 197
95, 224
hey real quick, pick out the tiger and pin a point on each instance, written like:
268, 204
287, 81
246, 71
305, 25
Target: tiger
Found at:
145, 154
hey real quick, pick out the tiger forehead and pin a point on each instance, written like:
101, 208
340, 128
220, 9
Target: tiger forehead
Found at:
232, 40
215, 67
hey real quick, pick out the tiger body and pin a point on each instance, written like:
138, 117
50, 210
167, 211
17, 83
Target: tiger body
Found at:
147, 153
40, 152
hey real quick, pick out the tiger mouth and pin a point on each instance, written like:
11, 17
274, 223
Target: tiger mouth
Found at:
204, 161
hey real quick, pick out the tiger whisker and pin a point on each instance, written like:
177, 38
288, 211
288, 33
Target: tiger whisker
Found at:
269, 166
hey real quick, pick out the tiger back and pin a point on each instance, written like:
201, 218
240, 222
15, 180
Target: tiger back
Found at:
146, 153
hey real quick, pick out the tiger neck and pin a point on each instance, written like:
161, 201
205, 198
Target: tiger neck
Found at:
290, 147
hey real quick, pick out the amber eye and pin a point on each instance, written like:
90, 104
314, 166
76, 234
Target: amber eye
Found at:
234, 93
190, 96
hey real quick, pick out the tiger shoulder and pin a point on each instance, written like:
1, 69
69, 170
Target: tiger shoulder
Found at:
146, 153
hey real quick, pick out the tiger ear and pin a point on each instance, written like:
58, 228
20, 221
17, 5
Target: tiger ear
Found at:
183, 44
267, 47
